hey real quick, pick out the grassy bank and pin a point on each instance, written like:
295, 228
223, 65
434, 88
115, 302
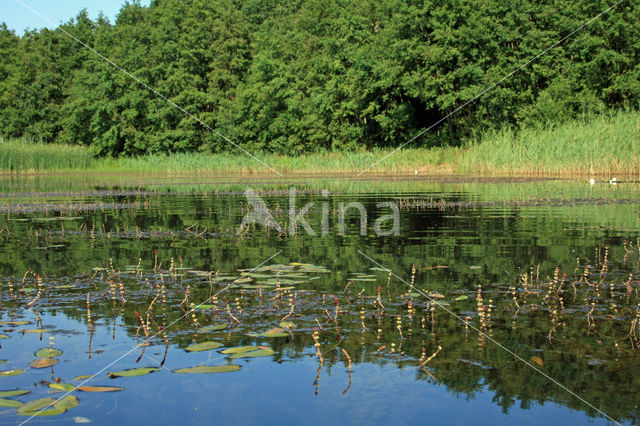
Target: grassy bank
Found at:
602, 145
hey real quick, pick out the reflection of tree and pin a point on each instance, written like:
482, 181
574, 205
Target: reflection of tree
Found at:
468, 362
503, 244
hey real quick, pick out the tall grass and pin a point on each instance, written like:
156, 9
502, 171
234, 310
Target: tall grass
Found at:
599, 145
21, 156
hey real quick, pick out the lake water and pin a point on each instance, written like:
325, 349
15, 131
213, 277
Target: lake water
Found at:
322, 300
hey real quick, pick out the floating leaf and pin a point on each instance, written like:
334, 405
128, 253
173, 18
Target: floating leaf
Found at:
463, 297
67, 387
16, 392
3, 361
435, 295
213, 327
48, 353
274, 332
414, 294
67, 402
99, 388
133, 372
49, 412
11, 372
203, 306
537, 360
241, 349
38, 330
81, 420
34, 406
43, 362
86, 376
4, 336
217, 279
287, 324
15, 322
475, 267
204, 346
253, 354
209, 369
9, 403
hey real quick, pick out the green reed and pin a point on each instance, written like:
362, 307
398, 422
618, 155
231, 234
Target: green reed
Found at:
22, 156
603, 145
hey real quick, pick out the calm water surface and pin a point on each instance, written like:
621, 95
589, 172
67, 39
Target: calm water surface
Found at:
314, 328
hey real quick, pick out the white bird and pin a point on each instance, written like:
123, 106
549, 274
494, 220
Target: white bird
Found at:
592, 181
613, 181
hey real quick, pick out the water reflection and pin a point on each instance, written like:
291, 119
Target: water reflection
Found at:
323, 330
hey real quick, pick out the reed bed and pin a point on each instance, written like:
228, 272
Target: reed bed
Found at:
22, 156
604, 145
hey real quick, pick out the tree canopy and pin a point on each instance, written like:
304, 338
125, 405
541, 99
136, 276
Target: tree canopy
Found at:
314, 75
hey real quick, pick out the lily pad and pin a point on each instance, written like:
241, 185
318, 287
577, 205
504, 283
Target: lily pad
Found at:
241, 349
48, 412
203, 306
204, 346
86, 376
67, 387
209, 369
38, 330
274, 332
43, 362
16, 392
213, 327
67, 402
460, 298
100, 388
15, 322
11, 372
253, 354
33, 406
133, 372
9, 403
48, 353
287, 324
4, 336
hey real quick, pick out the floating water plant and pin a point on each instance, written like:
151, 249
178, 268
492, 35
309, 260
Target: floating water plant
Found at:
258, 353
204, 346
208, 369
134, 372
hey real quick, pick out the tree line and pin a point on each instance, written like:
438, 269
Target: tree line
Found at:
298, 76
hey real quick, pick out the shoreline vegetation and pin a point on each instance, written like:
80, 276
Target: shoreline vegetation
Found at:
600, 145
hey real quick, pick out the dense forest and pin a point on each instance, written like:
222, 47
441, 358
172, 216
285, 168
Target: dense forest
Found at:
315, 75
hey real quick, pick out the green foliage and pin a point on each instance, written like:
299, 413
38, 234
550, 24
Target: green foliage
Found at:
607, 144
320, 75
22, 156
